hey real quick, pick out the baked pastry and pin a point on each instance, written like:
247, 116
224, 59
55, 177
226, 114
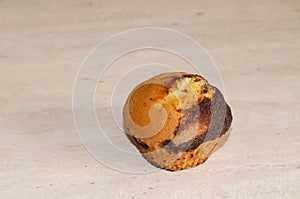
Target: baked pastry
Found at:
176, 120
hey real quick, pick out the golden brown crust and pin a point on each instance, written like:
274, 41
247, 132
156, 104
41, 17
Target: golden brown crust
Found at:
176, 120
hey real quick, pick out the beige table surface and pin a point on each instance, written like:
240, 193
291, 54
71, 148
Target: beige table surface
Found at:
256, 45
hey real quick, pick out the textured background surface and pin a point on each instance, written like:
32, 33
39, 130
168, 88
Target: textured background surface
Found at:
256, 45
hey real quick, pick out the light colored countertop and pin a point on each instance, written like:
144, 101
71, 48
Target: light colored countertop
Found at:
256, 45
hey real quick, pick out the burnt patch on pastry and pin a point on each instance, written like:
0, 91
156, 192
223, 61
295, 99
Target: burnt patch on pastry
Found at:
184, 90
195, 77
198, 114
172, 82
205, 90
221, 117
166, 142
213, 112
228, 120
186, 146
195, 143
205, 110
198, 79
177, 130
192, 114
138, 142
188, 75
